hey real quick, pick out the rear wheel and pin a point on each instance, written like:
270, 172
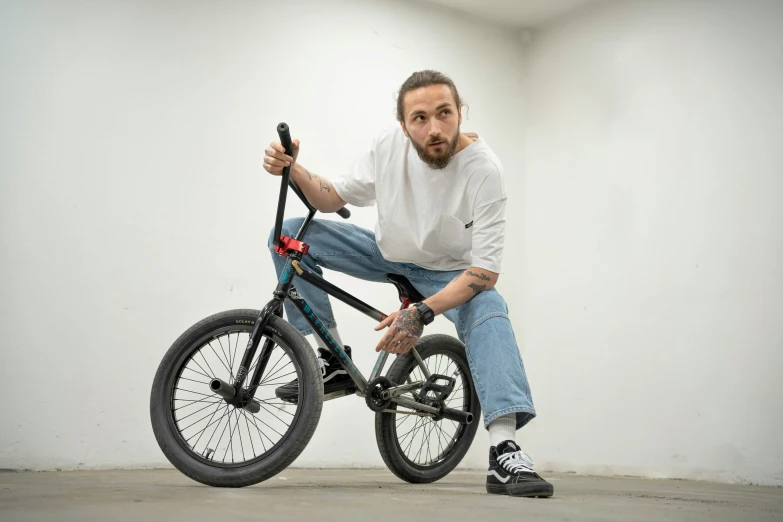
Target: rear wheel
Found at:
218, 444
420, 449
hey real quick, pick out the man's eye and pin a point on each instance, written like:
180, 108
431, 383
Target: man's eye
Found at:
445, 111
418, 118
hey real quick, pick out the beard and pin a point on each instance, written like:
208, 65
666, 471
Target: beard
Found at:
440, 157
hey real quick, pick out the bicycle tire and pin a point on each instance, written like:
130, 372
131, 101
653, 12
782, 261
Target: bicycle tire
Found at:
288, 448
386, 423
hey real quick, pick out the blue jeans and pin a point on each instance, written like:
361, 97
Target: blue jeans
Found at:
482, 323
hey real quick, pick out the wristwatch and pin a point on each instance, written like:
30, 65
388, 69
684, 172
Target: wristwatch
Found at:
426, 313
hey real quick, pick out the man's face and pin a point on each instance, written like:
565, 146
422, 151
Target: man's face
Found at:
432, 123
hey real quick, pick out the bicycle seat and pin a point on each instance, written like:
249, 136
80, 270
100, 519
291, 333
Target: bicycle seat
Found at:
405, 288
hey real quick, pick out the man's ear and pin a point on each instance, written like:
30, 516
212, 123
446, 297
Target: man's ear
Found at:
404, 130
460, 115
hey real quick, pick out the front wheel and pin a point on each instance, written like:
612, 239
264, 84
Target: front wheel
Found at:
216, 443
419, 449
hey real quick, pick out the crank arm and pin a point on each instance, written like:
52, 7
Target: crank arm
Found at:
464, 417
400, 390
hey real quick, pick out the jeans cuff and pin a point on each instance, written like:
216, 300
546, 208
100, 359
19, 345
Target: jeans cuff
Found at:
530, 414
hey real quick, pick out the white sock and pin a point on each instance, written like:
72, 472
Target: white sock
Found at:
503, 428
333, 331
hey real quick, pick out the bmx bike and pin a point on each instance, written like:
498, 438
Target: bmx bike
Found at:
217, 419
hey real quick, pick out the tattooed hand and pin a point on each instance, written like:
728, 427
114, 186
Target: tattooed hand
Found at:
406, 328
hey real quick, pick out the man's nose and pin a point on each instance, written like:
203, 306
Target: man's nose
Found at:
434, 127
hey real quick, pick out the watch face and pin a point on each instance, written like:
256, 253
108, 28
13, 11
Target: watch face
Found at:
427, 316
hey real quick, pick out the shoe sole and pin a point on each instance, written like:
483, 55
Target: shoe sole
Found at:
521, 490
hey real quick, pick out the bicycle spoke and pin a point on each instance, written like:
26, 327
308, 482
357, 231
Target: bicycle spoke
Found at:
195, 412
417, 428
195, 401
228, 358
249, 435
275, 383
189, 425
236, 349
268, 426
421, 447
281, 409
230, 439
209, 423
443, 434
223, 433
207, 363
191, 380
429, 440
218, 357
241, 445
274, 372
197, 393
253, 366
272, 414
430, 448
196, 371
272, 443
201, 367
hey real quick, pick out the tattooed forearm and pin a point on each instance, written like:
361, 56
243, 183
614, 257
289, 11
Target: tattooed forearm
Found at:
325, 186
483, 277
477, 288
310, 176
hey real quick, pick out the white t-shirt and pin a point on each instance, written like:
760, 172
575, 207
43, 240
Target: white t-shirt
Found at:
449, 219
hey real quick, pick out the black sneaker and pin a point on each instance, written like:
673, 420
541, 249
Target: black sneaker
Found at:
337, 383
511, 473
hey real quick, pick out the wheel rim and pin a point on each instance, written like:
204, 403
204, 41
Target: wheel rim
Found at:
423, 442
211, 430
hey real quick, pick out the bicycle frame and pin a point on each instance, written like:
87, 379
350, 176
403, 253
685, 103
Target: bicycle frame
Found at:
287, 291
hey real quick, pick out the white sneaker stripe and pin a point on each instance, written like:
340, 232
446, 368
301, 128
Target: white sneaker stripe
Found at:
334, 374
501, 479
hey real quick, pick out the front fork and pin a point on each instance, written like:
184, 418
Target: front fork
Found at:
273, 307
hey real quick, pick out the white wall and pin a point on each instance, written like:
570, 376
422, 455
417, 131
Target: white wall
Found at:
134, 203
653, 239
645, 285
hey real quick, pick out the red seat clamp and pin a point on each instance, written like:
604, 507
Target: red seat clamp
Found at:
288, 244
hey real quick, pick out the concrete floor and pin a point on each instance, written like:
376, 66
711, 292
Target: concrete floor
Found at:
376, 495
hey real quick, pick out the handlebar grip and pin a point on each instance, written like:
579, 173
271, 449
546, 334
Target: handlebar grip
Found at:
285, 138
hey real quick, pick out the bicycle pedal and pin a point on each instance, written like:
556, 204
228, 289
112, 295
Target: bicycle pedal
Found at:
339, 393
436, 389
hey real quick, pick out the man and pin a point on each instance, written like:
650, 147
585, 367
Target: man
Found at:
441, 205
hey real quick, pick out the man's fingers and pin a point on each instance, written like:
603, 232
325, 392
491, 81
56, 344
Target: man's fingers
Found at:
383, 324
272, 152
397, 342
277, 150
389, 341
272, 162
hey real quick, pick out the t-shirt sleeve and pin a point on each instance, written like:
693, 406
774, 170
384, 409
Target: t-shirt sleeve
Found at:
357, 186
489, 227
489, 224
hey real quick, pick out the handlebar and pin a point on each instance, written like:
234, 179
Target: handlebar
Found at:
284, 132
